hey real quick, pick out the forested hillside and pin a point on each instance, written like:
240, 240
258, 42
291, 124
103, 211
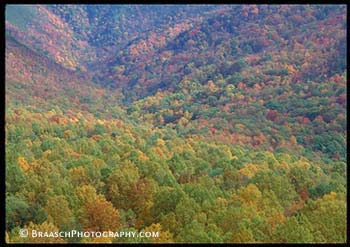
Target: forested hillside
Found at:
207, 123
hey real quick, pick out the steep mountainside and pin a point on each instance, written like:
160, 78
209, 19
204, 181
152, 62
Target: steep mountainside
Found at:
262, 53
78, 35
160, 43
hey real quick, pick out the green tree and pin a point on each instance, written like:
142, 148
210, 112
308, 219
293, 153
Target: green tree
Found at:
293, 231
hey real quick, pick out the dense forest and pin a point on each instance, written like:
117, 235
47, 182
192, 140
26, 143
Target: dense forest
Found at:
207, 123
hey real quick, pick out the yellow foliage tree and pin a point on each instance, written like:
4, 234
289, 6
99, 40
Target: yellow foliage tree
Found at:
249, 170
97, 214
250, 195
23, 164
